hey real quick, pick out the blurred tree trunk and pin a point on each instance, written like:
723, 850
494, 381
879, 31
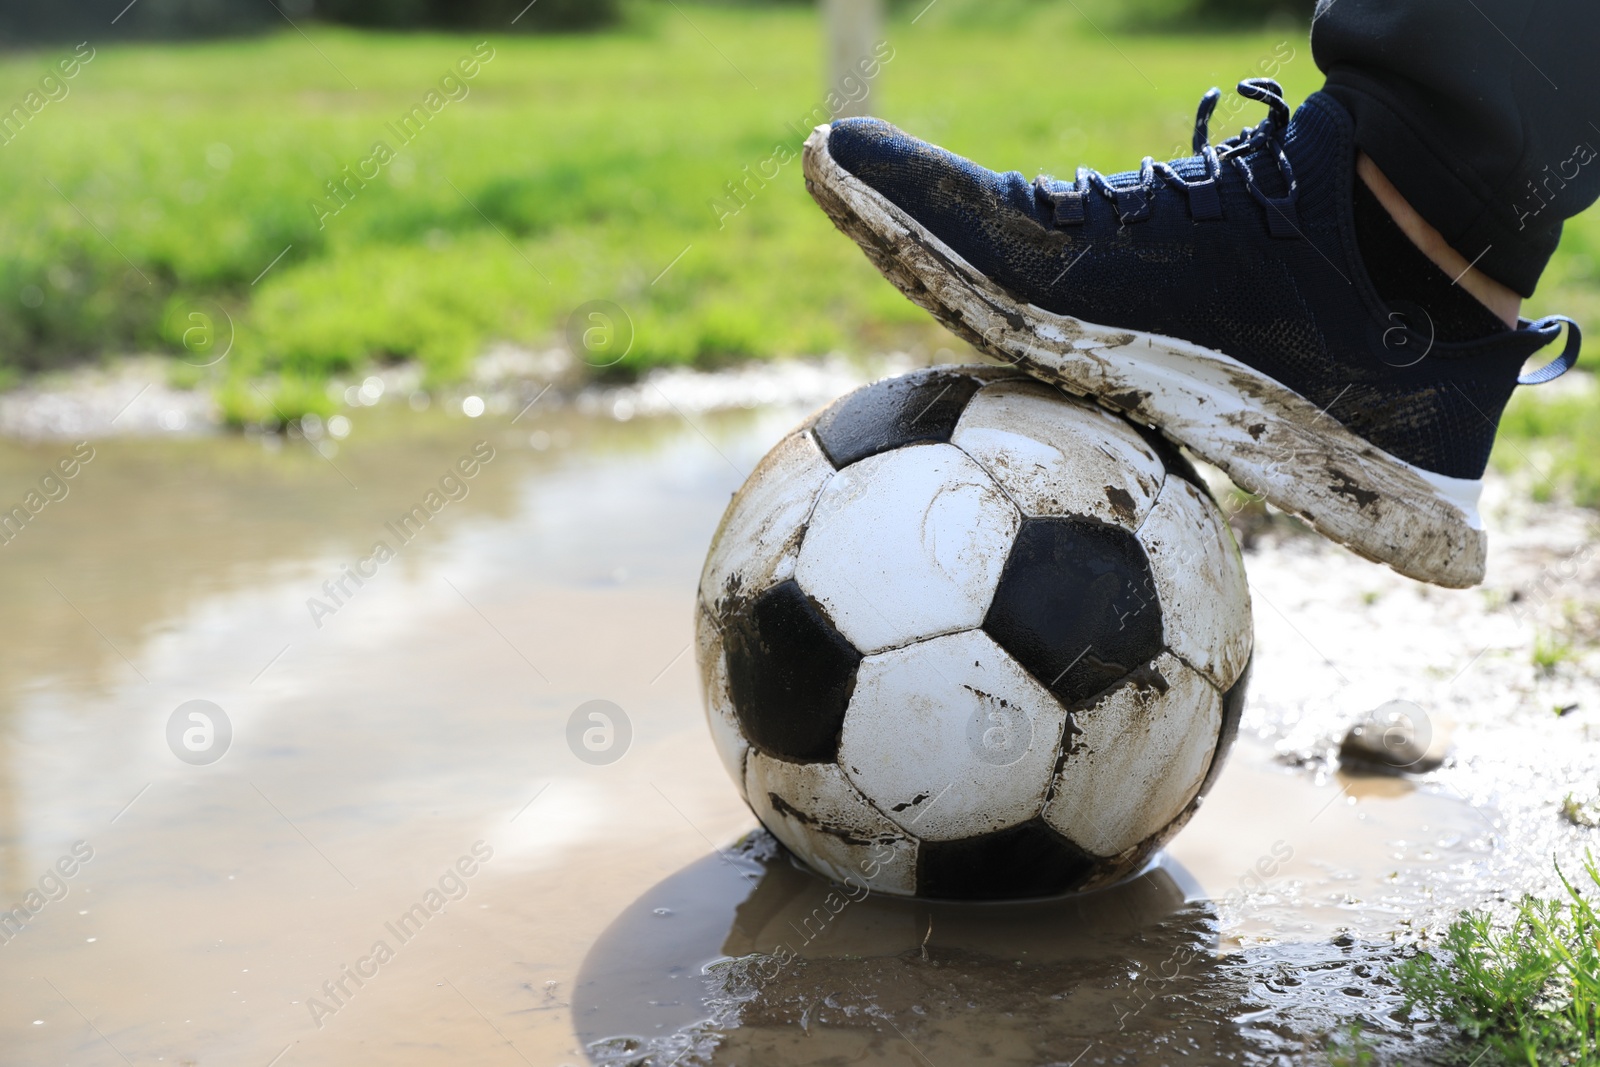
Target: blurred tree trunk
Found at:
853, 28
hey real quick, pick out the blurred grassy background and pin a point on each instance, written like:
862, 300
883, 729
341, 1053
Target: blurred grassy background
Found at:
579, 167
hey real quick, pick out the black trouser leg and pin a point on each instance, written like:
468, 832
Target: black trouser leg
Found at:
1484, 113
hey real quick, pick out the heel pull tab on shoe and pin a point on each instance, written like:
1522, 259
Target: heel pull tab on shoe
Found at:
1562, 363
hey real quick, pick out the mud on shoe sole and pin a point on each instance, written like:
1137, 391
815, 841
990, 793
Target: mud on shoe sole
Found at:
1267, 438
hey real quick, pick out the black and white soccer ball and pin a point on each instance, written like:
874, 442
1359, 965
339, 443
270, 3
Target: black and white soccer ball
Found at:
965, 636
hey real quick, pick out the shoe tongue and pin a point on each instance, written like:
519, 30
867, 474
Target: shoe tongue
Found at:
1123, 179
1318, 138
1262, 159
1309, 143
1191, 169
1266, 172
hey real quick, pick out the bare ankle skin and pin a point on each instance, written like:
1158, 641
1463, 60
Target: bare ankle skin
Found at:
1505, 303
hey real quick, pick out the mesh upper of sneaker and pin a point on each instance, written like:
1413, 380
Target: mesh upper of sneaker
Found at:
1297, 308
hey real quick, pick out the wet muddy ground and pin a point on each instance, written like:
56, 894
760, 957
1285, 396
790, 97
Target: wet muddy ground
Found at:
399, 772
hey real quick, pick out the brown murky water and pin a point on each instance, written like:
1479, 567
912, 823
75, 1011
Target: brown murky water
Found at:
400, 860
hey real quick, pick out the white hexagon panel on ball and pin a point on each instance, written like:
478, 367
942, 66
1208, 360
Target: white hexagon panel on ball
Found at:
1200, 580
815, 811
1138, 758
756, 543
1057, 455
951, 738
905, 545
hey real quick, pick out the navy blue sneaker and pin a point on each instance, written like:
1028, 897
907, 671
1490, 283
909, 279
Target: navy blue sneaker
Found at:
1221, 298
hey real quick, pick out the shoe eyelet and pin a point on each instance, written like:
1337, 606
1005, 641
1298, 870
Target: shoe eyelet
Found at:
1204, 200
1282, 219
1133, 205
1069, 208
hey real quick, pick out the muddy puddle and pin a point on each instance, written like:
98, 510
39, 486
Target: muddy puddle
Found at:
1264, 928
399, 858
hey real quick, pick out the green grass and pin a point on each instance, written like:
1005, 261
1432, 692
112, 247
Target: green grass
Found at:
1350, 1047
578, 168
1551, 440
1551, 650
1526, 992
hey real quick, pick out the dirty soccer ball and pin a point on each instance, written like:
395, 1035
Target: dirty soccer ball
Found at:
964, 636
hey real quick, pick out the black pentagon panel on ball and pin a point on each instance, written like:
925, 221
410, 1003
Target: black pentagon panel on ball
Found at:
1232, 712
790, 674
1019, 862
912, 409
1076, 606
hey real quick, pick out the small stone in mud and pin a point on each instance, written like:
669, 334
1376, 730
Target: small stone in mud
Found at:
1585, 813
1397, 737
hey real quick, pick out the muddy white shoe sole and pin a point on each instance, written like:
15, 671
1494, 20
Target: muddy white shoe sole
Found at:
1269, 439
